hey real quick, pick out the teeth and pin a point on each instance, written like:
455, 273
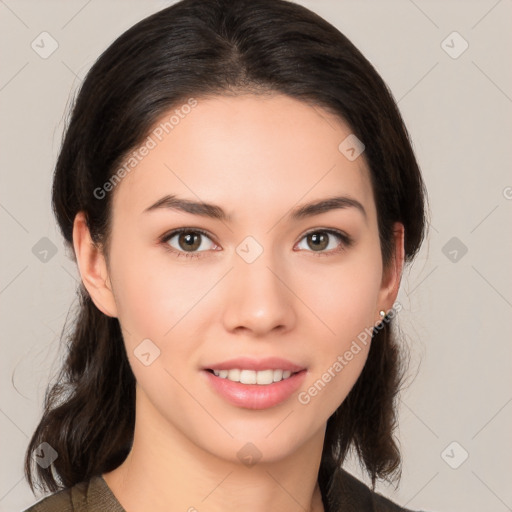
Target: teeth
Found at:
253, 377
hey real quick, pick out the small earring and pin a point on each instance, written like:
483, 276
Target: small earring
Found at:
382, 313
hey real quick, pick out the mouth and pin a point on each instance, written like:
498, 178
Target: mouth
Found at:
254, 389
253, 383
260, 377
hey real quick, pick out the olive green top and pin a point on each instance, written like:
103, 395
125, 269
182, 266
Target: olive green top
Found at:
94, 495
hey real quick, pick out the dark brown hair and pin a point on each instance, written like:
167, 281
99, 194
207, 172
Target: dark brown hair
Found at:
201, 48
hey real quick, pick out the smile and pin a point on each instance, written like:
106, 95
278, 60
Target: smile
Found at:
263, 377
251, 389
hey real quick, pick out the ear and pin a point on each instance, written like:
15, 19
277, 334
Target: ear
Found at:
93, 267
392, 275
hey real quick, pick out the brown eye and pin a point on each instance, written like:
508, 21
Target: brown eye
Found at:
324, 240
187, 242
318, 241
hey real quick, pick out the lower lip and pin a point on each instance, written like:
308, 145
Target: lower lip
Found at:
256, 396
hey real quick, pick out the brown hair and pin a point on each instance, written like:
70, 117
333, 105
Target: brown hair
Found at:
199, 48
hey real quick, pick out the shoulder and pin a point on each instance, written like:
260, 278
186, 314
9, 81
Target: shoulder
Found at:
88, 496
60, 501
350, 494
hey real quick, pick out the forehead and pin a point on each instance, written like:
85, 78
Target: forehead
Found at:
250, 154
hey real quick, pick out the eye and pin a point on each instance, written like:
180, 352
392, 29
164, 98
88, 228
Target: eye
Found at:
188, 242
185, 242
320, 241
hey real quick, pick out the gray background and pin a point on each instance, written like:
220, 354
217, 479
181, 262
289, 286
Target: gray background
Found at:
456, 316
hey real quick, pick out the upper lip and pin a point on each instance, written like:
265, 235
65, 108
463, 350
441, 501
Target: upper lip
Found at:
247, 363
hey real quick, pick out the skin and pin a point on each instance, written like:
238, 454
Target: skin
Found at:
292, 301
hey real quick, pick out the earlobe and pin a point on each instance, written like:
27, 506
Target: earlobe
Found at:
92, 267
393, 274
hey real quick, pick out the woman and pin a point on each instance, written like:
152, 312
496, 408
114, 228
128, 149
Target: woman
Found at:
240, 195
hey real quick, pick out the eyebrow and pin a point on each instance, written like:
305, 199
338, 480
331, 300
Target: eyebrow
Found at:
213, 211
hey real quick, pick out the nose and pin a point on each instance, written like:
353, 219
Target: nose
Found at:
258, 298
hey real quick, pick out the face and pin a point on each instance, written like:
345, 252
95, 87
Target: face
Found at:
269, 282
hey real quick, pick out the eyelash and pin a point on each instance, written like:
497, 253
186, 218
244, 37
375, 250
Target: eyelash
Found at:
343, 237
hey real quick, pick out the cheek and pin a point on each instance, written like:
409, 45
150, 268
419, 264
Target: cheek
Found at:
157, 301
157, 295
346, 305
345, 294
